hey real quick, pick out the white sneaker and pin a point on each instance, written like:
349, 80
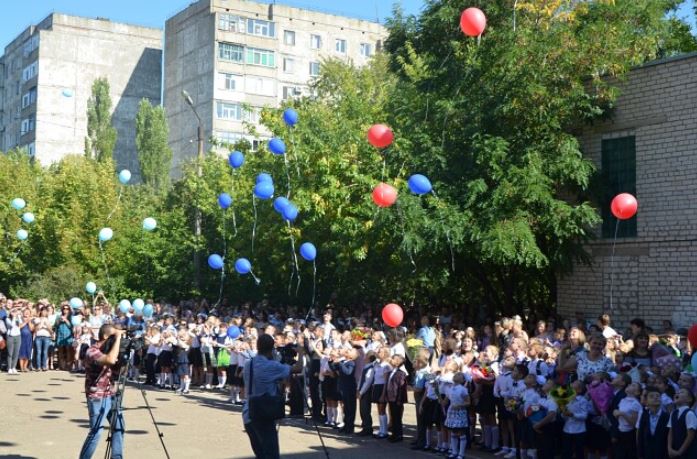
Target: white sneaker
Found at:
502, 452
208, 386
511, 454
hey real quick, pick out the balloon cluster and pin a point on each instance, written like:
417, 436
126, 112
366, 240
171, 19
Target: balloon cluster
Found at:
27, 217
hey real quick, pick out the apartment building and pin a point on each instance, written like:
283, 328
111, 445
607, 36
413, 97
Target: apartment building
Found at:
235, 57
46, 76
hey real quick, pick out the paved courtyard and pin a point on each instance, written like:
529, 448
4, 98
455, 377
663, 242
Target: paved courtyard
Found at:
44, 416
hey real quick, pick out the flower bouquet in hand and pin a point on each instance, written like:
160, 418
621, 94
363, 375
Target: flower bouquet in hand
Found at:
562, 396
601, 393
483, 373
414, 345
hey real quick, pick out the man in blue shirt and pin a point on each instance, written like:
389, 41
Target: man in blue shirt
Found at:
427, 333
268, 373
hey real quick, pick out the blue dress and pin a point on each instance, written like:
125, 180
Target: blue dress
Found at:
26, 343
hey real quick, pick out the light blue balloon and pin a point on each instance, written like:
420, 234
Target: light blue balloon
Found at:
290, 213
277, 146
76, 303
215, 261
124, 176
308, 251
149, 224
124, 306
76, 320
138, 306
263, 190
91, 288
28, 217
105, 234
67, 93
22, 234
419, 184
280, 203
148, 310
264, 177
243, 266
18, 203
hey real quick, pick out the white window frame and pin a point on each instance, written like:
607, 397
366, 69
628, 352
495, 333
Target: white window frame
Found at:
340, 45
27, 126
257, 57
30, 71
288, 65
260, 86
31, 149
230, 111
231, 23
289, 37
261, 28
366, 49
291, 92
30, 45
227, 51
231, 82
314, 64
315, 41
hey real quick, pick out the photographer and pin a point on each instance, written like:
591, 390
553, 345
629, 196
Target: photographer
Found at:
101, 365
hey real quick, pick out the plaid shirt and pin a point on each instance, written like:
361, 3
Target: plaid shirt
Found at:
97, 377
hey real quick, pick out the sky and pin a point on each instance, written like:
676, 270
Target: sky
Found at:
16, 15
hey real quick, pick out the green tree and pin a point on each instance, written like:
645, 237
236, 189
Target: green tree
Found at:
101, 135
154, 154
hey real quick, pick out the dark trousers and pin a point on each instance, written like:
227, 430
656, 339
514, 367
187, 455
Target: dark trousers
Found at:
572, 445
297, 405
396, 413
315, 397
545, 442
625, 447
150, 361
366, 407
348, 398
420, 424
263, 437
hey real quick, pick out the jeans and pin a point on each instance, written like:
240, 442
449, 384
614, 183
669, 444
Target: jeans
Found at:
42, 344
266, 437
100, 410
13, 343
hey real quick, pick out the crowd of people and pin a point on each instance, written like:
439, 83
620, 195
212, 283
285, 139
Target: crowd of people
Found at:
554, 386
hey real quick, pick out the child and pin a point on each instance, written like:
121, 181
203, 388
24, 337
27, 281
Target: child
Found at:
682, 425
166, 359
329, 387
429, 411
652, 427
365, 394
531, 405
626, 415
512, 399
347, 388
445, 381
484, 380
396, 396
574, 416
382, 371
222, 357
423, 370
457, 420
502, 386
183, 343
545, 427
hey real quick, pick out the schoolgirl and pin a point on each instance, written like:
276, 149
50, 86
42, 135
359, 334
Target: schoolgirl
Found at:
166, 359
430, 412
445, 382
182, 351
207, 338
457, 419
574, 416
382, 372
152, 340
329, 387
221, 345
502, 386
486, 370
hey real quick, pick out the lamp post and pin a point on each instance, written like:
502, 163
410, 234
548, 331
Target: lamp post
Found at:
197, 225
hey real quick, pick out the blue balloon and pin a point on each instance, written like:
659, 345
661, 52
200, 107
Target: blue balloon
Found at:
419, 184
243, 266
105, 234
124, 306
91, 288
67, 93
18, 203
280, 203
263, 190
308, 251
138, 306
290, 117
215, 261
277, 146
149, 224
22, 234
75, 303
148, 310
264, 177
233, 332
124, 176
224, 200
28, 217
290, 213
236, 159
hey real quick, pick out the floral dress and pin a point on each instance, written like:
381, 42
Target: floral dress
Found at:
585, 367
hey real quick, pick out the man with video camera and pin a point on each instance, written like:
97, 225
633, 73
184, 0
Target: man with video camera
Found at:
101, 372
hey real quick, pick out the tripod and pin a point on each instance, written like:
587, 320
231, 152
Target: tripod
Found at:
117, 402
307, 411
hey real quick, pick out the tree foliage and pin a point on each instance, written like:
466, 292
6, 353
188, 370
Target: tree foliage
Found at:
154, 153
101, 135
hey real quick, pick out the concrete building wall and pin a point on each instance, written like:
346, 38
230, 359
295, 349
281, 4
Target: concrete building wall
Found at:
654, 272
192, 62
73, 52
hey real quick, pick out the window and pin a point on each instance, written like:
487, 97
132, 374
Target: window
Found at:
289, 38
230, 52
288, 65
256, 56
30, 45
252, 115
231, 23
261, 28
230, 82
290, 92
228, 111
315, 41
259, 85
27, 126
29, 71
366, 49
619, 176
340, 46
31, 149
314, 68
29, 98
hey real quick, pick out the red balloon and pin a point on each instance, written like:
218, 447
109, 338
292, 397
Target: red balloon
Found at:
624, 206
380, 136
473, 22
384, 195
392, 315
692, 337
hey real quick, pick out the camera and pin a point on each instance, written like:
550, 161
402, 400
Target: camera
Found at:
131, 340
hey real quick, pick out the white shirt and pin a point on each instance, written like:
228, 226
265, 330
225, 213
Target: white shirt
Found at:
538, 364
653, 419
579, 408
690, 419
627, 406
382, 370
13, 326
530, 397
445, 382
609, 332
154, 347
503, 384
666, 402
398, 349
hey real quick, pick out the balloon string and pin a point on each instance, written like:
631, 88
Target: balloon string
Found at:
294, 261
232, 190
612, 263
254, 226
106, 267
285, 160
404, 236
447, 233
256, 279
292, 149
384, 163
116, 205
314, 282
234, 221
222, 271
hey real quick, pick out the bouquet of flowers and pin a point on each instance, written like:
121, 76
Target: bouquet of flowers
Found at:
601, 394
562, 396
482, 373
360, 334
512, 404
414, 345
